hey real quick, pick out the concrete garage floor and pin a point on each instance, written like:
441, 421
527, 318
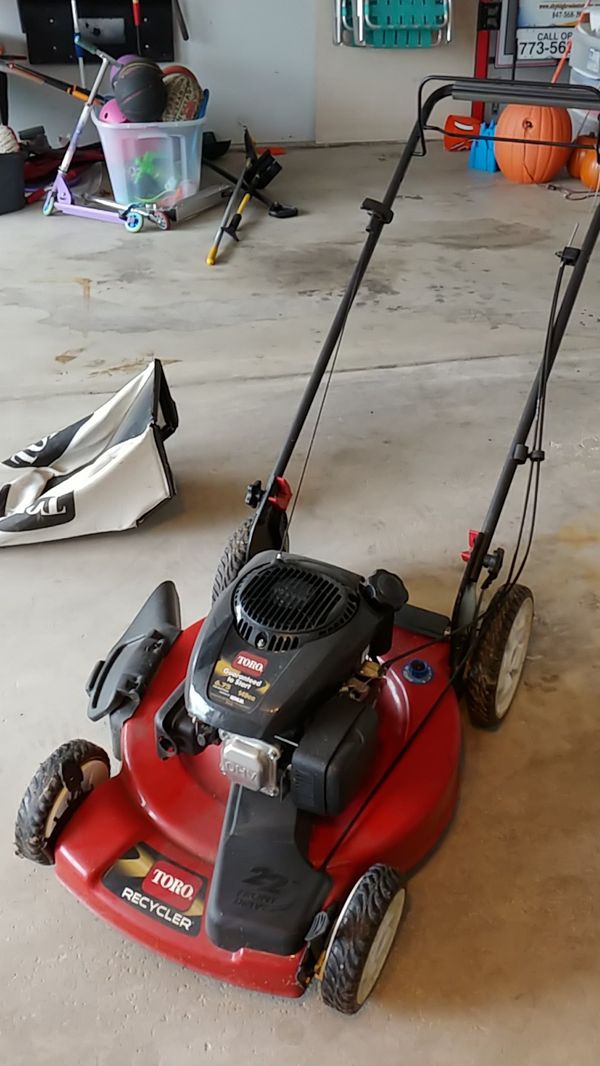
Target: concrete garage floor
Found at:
499, 960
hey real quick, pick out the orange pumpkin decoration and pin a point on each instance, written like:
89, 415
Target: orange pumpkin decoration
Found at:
532, 163
579, 155
590, 170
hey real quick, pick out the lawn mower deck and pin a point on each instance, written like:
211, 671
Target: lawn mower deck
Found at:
141, 850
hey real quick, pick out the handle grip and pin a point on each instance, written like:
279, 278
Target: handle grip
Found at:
492, 90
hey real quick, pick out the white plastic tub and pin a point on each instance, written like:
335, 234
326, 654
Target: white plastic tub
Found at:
585, 52
152, 162
584, 122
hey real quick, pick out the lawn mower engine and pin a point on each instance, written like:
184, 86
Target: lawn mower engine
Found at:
283, 677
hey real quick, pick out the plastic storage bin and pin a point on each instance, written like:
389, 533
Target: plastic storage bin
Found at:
584, 122
585, 52
152, 162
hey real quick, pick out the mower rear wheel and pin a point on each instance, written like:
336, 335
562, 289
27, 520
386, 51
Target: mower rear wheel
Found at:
55, 792
496, 665
233, 558
362, 938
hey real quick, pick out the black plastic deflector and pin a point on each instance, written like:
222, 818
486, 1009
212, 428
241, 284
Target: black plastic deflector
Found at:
264, 894
118, 683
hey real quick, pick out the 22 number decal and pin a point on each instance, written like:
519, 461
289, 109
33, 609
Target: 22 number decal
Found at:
268, 880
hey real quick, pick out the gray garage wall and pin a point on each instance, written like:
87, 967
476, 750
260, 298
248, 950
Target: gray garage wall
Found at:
367, 94
273, 64
257, 57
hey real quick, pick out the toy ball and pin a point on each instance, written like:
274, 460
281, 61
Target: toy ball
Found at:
140, 91
121, 62
111, 113
184, 95
580, 154
532, 163
8, 141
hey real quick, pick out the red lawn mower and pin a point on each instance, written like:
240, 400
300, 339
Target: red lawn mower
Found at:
289, 760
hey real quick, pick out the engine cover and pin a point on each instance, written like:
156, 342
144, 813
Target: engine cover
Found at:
281, 639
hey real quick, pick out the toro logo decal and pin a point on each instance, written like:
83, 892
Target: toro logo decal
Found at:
250, 664
172, 885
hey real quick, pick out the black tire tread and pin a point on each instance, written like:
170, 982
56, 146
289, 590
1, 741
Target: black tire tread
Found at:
41, 794
233, 557
484, 666
355, 935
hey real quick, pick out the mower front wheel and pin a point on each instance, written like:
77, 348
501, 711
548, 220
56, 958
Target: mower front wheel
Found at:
233, 558
497, 663
362, 938
55, 792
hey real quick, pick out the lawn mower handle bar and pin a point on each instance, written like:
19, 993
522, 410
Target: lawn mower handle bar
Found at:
460, 88
497, 91
513, 459
381, 213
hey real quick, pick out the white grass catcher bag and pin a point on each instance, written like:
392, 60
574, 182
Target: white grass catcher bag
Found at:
105, 472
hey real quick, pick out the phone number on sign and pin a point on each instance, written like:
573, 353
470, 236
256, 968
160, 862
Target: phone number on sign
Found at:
543, 44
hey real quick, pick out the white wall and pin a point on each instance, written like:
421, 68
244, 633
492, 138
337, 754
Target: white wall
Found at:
368, 94
272, 63
256, 56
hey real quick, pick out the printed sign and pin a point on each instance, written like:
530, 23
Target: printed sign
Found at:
547, 43
239, 683
161, 889
550, 12
544, 28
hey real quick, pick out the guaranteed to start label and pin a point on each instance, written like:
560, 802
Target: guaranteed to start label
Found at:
161, 889
241, 682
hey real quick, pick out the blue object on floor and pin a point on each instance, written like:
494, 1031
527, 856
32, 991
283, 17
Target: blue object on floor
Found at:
481, 153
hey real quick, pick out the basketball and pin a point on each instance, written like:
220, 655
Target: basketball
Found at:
140, 91
118, 67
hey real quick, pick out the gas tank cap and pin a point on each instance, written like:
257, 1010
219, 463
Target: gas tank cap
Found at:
387, 589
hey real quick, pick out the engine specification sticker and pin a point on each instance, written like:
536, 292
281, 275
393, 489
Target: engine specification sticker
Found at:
239, 683
161, 889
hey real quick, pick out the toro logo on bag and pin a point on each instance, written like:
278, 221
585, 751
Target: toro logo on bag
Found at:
250, 664
172, 885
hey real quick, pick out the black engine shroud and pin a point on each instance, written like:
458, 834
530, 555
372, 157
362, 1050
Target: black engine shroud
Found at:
276, 671
282, 639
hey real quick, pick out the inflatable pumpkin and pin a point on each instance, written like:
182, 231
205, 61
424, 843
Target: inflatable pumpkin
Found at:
532, 163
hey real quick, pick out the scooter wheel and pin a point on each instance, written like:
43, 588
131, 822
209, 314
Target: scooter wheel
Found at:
161, 220
134, 222
497, 663
58, 788
233, 558
48, 207
362, 938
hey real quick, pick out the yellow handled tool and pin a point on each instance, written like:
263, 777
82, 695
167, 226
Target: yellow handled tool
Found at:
223, 228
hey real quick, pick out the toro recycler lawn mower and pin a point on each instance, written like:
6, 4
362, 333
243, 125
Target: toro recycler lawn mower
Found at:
287, 761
